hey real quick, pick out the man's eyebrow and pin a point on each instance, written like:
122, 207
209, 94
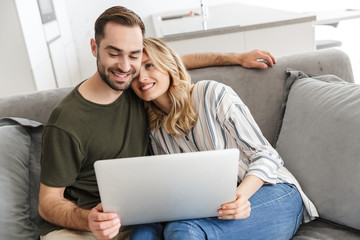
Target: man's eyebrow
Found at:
136, 51
120, 50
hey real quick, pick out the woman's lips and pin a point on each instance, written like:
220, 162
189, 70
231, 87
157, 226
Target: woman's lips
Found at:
147, 87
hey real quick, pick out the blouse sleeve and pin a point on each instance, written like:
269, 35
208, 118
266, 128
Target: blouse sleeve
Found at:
262, 159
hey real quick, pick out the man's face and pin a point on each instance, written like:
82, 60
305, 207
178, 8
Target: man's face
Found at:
119, 55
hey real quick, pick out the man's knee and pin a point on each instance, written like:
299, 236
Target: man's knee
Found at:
68, 234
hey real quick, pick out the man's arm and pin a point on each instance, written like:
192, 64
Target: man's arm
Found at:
248, 59
54, 208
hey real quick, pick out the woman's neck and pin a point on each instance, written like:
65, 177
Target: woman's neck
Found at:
164, 104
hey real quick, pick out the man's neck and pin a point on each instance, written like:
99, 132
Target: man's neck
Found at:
94, 89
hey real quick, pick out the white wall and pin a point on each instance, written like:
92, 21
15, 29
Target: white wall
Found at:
8, 51
29, 57
82, 21
25, 65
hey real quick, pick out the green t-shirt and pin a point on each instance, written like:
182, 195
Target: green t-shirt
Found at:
78, 133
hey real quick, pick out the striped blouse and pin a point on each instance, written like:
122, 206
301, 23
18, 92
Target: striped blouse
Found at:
224, 121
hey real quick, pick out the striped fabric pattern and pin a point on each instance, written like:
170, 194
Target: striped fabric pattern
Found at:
225, 122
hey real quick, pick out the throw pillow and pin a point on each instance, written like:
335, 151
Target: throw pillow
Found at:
295, 75
20, 150
320, 141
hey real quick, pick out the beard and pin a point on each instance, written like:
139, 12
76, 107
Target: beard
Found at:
111, 83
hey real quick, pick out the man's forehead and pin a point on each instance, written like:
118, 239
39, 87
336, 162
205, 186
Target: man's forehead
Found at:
125, 38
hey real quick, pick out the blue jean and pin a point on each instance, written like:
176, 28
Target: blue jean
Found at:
276, 213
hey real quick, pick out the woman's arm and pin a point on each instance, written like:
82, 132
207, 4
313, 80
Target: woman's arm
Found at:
248, 59
259, 160
258, 157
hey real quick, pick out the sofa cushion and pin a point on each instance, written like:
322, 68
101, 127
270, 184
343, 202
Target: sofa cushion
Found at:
322, 229
20, 151
319, 142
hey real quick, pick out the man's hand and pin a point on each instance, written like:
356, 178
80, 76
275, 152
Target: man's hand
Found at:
253, 59
103, 225
238, 209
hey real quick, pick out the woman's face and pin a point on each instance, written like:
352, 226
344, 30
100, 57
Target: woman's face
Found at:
152, 84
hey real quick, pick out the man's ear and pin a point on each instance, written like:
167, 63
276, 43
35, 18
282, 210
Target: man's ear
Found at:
94, 47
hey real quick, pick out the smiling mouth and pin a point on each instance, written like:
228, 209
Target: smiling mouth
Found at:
121, 75
147, 86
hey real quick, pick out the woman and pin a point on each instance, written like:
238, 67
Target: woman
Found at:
207, 116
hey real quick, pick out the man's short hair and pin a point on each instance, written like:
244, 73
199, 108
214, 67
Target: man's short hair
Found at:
120, 15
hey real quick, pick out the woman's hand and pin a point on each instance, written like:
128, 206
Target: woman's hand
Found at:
238, 209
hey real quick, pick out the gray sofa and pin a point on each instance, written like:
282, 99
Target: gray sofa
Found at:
287, 107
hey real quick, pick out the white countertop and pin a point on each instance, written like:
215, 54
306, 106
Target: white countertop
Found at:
224, 19
335, 16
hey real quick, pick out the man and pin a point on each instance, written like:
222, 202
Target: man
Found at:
101, 119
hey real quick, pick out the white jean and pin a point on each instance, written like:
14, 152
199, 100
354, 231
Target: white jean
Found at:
80, 235
68, 234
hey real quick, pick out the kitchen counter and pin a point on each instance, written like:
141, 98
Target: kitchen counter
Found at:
223, 19
335, 16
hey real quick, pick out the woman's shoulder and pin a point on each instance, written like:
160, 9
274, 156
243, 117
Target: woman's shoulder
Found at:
215, 92
210, 86
209, 93
204, 83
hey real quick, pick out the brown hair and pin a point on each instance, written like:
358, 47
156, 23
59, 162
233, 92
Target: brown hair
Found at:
182, 116
117, 14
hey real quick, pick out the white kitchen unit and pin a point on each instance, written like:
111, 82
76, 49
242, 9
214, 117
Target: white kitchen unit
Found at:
25, 63
37, 49
62, 50
236, 28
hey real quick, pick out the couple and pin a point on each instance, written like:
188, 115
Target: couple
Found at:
102, 119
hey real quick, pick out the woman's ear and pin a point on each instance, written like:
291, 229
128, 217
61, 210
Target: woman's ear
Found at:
94, 47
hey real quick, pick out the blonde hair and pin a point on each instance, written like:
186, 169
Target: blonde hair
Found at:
182, 116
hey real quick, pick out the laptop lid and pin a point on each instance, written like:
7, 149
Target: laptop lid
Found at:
168, 187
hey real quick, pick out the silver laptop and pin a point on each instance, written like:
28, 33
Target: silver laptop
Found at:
168, 187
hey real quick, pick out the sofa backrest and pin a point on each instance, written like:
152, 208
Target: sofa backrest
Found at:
262, 90
35, 106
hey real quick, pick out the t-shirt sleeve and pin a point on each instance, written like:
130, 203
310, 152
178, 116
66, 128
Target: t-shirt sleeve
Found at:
61, 158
